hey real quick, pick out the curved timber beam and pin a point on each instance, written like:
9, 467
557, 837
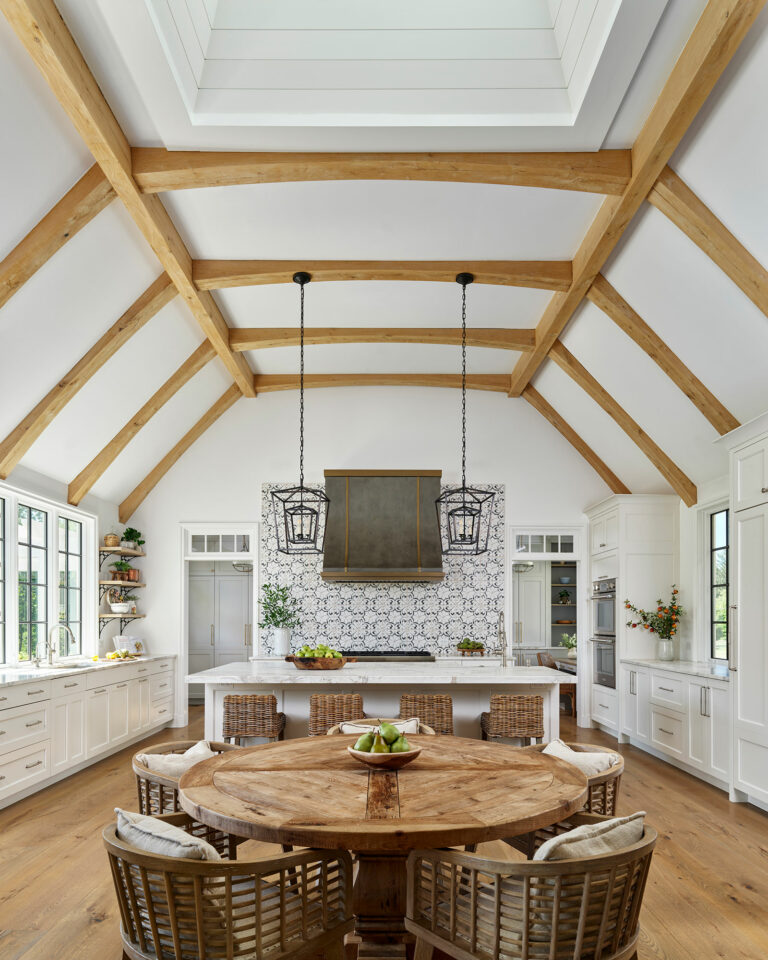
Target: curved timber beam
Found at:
605, 171
683, 486
542, 274
262, 338
269, 382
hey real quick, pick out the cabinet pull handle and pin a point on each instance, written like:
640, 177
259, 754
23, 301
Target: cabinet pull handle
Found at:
68, 685
145, 680
3, 698
2, 733
31, 693
212, 640
162, 711
763, 489
102, 690
731, 640
33, 723
161, 685
708, 701
702, 701
121, 685
668, 732
601, 544
37, 763
603, 706
143, 670
666, 689
3, 776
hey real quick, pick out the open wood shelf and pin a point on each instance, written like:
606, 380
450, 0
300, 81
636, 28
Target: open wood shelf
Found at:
121, 583
122, 616
121, 552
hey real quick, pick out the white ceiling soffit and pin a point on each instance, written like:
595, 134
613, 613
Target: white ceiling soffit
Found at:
429, 75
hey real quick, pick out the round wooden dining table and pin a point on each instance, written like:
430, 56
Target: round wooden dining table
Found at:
311, 792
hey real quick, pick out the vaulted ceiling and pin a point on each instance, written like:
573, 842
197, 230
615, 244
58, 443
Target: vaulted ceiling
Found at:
629, 283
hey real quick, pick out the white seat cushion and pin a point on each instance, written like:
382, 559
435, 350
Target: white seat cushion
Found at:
364, 726
157, 836
590, 764
174, 764
594, 839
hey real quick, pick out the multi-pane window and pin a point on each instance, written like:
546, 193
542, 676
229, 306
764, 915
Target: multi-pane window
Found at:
32, 547
718, 541
2, 580
70, 584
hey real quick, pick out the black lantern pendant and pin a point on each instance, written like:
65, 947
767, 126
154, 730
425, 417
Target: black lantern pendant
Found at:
464, 513
300, 512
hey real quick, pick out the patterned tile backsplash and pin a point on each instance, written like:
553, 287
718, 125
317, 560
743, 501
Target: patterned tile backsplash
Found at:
405, 616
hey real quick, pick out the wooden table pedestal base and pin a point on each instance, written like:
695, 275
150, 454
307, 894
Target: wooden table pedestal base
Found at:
379, 898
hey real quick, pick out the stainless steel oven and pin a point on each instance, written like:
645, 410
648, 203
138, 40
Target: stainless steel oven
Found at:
604, 672
604, 608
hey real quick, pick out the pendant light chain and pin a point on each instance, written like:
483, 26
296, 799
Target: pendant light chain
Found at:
463, 386
301, 396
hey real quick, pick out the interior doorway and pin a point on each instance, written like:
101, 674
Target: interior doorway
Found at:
545, 610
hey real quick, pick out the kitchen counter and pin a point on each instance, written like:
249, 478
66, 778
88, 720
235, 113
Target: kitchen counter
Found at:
691, 668
12, 675
468, 684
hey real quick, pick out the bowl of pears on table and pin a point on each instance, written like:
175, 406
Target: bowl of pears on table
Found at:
384, 746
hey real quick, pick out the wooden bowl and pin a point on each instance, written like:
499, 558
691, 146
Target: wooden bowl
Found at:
320, 663
385, 761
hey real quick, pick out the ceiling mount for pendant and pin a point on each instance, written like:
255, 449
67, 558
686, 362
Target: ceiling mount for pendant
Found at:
300, 512
464, 513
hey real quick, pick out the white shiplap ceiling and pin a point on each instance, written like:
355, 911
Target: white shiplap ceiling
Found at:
70, 302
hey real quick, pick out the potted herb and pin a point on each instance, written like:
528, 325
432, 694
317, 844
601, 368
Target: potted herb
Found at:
117, 602
120, 569
663, 621
279, 610
564, 597
569, 641
131, 600
132, 538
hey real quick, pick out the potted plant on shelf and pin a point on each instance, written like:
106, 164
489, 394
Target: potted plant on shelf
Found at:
280, 612
132, 538
663, 621
131, 600
564, 597
569, 641
120, 569
117, 602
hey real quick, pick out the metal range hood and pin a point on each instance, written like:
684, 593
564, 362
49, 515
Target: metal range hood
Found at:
382, 526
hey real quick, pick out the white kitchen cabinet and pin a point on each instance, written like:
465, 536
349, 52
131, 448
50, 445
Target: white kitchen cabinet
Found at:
233, 618
709, 727
604, 533
529, 607
605, 706
668, 732
96, 721
118, 710
634, 702
699, 724
141, 700
720, 730
67, 732
749, 475
220, 621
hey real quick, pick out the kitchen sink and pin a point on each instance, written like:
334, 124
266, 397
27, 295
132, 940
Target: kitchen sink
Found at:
79, 665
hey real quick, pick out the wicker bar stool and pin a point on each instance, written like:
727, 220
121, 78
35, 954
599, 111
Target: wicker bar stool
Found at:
566, 689
252, 715
159, 792
603, 787
328, 709
435, 709
513, 716
377, 722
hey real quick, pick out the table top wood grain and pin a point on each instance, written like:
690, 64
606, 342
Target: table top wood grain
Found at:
311, 792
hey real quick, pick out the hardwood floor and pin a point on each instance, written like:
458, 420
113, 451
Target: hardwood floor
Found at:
706, 896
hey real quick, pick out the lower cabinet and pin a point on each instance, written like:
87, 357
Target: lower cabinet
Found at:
97, 721
709, 727
605, 706
67, 732
139, 715
118, 701
635, 701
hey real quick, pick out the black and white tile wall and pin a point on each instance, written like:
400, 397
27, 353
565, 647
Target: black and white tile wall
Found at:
406, 616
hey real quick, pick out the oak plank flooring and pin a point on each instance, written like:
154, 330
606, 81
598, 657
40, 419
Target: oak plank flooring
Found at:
705, 899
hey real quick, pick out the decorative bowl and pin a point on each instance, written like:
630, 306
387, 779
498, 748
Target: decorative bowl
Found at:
320, 663
385, 761
565, 579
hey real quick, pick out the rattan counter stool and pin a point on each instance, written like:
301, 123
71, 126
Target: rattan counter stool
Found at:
328, 709
517, 715
603, 787
252, 715
159, 792
435, 709
377, 721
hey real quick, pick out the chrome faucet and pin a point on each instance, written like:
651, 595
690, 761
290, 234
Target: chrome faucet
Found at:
501, 636
54, 629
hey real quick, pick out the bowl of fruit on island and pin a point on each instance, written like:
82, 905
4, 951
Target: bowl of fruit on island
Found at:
384, 746
318, 658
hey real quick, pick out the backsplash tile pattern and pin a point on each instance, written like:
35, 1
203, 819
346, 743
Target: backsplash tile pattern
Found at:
406, 616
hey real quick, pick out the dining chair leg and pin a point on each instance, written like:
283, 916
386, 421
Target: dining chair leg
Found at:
423, 950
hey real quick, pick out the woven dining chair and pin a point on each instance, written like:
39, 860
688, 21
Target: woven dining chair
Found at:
252, 715
471, 907
159, 792
566, 689
377, 721
295, 904
603, 788
328, 709
435, 709
513, 716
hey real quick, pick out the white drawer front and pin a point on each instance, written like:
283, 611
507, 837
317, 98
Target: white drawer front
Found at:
668, 733
24, 767
64, 686
161, 711
143, 669
669, 691
160, 666
605, 706
24, 725
160, 686
110, 675
19, 694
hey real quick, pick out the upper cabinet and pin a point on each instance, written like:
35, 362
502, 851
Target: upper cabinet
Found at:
749, 475
604, 533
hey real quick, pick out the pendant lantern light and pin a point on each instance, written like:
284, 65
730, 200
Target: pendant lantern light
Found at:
300, 512
464, 513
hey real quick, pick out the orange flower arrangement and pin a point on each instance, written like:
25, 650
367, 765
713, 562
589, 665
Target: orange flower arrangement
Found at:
663, 621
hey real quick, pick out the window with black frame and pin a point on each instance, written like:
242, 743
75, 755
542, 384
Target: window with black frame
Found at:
718, 574
32, 545
70, 584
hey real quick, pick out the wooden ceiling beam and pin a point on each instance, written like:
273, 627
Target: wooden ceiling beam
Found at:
714, 40
267, 383
607, 298
566, 430
87, 477
683, 486
142, 490
605, 171
77, 207
679, 203
542, 274
40, 27
21, 438
262, 338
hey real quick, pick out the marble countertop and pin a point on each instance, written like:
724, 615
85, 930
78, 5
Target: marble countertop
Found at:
445, 672
691, 668
12, 675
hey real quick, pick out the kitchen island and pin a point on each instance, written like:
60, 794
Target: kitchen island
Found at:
469, 684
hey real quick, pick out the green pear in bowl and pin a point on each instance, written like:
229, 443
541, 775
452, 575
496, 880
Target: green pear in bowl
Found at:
364, 743
400, 745
379, 746
389, 732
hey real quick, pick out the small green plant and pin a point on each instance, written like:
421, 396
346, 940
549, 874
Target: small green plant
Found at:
122, 566
568, 640
132, 535
564, 596
467, 644
278, 608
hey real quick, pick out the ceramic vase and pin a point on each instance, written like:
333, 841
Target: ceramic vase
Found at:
572, 653
282, 637
666, 649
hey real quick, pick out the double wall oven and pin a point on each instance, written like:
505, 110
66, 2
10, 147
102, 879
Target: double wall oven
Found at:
604, 631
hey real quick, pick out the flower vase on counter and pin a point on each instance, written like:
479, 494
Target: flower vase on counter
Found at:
282, 639
666, 649
663, 621
280, 612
